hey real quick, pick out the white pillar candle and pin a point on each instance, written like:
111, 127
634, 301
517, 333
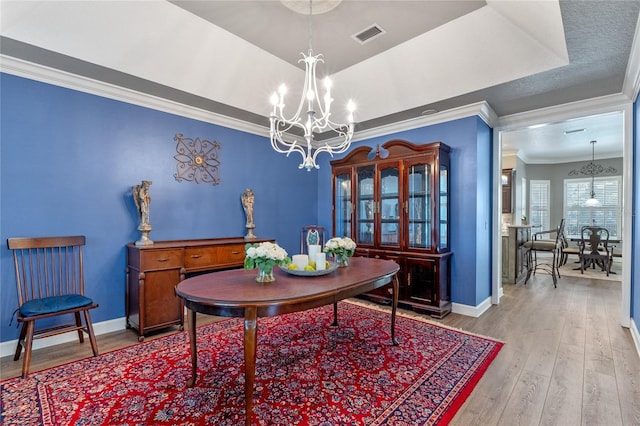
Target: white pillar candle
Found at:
300, 260
321, 258
314, 249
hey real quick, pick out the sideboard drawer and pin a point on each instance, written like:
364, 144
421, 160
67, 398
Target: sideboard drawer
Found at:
206, 257
160, 259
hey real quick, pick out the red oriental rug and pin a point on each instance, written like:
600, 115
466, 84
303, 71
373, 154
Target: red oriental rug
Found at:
307, 373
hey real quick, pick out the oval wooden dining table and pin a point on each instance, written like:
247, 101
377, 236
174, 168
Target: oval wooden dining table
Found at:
235, 293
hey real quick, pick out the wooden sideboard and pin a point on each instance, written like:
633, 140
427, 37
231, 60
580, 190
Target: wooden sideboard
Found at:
154, 271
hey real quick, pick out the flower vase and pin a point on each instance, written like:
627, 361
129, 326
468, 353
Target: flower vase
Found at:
343, 261
264, 276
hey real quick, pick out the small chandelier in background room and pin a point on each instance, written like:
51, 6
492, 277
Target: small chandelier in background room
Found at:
312, 116
591, 168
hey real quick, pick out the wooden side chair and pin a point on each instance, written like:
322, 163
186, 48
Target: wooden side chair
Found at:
311, 235
567, 250
594, 249
50, 281
552, 246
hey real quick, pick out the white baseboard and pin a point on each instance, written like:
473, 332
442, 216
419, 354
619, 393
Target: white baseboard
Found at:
9, 347
471, 311
635, 334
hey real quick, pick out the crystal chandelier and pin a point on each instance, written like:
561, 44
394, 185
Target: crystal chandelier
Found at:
591, 167
312, 116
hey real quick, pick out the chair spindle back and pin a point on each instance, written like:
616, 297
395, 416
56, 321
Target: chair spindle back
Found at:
48, 266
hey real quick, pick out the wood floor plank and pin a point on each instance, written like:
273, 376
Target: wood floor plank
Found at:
486, 403
600, 400
627, 367
526, 402
543, 351
563, 404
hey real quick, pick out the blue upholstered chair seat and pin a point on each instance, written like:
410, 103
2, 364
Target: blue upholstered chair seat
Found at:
52, 304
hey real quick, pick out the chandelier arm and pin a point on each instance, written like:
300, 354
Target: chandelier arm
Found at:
294, 147
284, 147
336, 127
282, 127
330, 149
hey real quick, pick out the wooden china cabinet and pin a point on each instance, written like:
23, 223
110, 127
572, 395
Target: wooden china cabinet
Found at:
394, 203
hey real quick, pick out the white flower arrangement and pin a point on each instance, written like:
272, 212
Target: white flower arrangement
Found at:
265, 256
340, 247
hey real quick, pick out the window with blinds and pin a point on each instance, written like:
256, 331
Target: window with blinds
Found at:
608, 215
539, 194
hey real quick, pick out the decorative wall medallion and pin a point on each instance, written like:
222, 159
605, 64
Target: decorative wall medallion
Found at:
593, 169
197, 160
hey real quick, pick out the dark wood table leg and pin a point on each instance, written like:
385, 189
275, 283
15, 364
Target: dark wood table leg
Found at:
191, 323
394, 308
335, 314
250, 342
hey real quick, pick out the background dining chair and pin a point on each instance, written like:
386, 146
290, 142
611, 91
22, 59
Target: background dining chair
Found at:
594, 248
552, 246
567, 249
311, 235
50, 281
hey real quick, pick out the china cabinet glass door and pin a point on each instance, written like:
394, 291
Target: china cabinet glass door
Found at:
342, 205
418, 206
389, 210
444, 208
365, 205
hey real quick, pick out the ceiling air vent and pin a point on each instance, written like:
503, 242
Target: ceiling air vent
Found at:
369, 33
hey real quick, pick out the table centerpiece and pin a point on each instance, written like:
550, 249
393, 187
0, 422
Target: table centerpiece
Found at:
341, 248
265, 256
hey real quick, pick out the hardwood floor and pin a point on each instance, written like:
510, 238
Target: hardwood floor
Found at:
566, 360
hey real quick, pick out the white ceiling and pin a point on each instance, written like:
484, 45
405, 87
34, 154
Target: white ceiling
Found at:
228, 56
567, 141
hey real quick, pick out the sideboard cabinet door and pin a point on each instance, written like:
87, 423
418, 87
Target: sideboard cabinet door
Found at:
427, 284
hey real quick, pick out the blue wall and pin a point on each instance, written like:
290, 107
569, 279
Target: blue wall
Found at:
69, 160
470, 142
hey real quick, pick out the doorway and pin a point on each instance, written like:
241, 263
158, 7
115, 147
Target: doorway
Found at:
565, 133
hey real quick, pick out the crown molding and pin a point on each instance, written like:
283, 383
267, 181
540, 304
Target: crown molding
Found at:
483, 110
480, 109
32, 71
557, 113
